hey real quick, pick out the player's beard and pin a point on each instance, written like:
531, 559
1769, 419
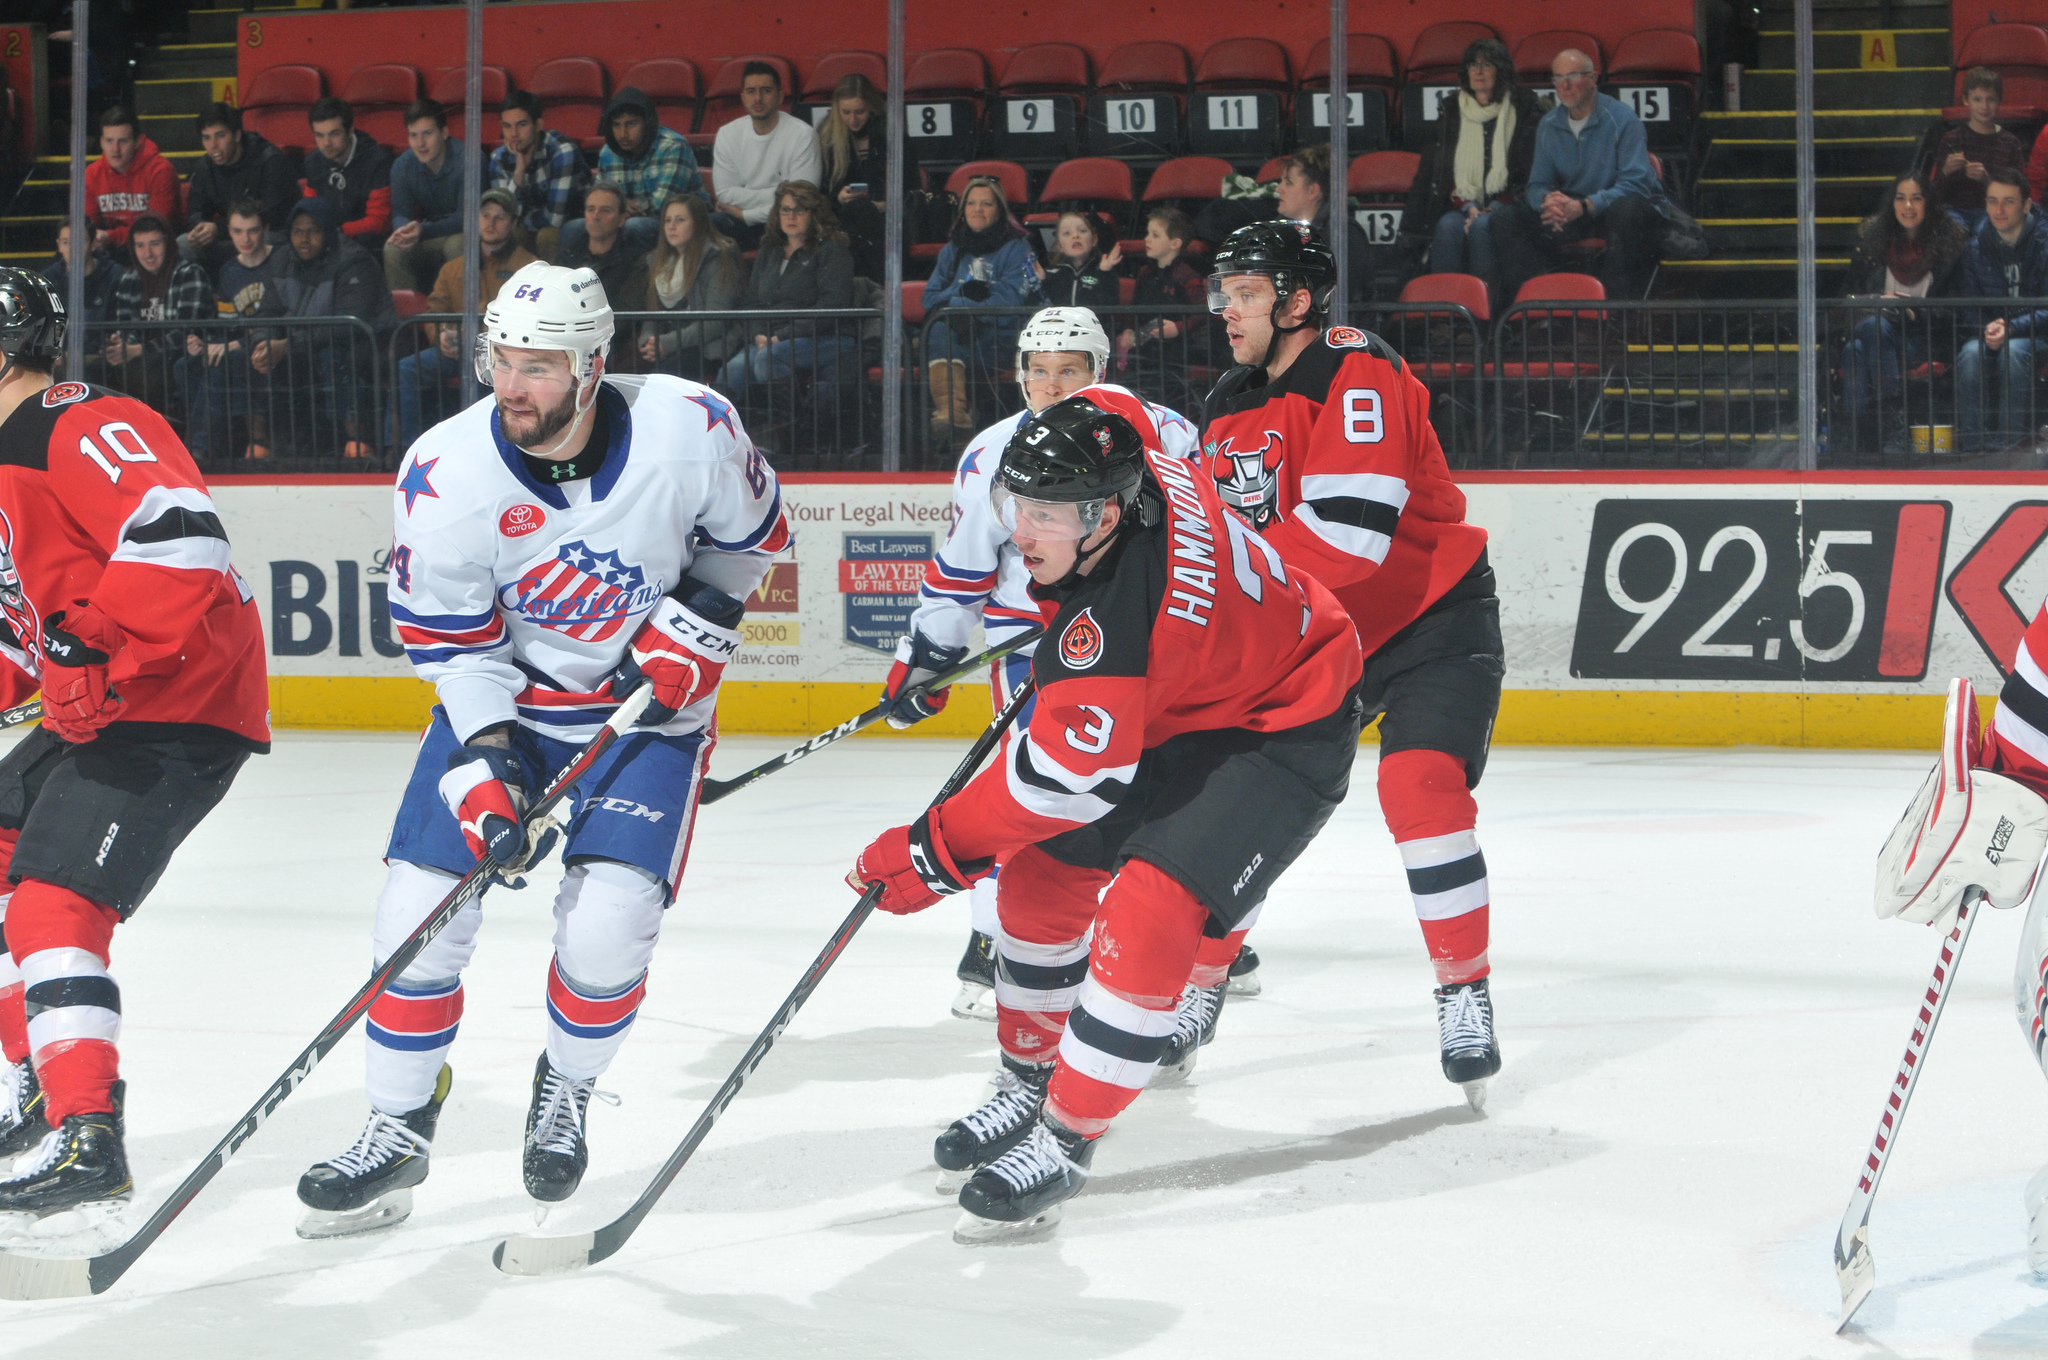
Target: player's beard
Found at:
547, 425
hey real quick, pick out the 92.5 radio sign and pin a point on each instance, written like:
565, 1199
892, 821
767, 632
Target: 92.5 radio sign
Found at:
1760, 590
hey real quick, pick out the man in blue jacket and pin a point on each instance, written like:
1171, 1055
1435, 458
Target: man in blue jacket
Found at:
2007, 257
1592, 177
426, 199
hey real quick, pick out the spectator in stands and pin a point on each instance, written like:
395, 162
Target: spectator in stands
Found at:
1082, 273
238, 164
219, 384
1305, 195
427, 183
647, 162
161, 287
545, 172
1480, 160
986, 262
854, 150
350, 171
102, 277
1907, 249
804, 265
602, 245
1971, 150
2007, 257
1153, 351
433, 377
1592, 177
130, 180
695, 268
327, 274
752, 157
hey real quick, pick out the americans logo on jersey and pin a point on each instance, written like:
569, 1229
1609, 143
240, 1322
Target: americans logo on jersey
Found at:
588, 595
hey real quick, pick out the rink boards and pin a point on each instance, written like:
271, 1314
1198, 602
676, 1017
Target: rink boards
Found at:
1637, 609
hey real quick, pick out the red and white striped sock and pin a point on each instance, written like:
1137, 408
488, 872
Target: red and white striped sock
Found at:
1432, 815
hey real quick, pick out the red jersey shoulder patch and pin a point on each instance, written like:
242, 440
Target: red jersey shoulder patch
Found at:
64, 393
1345, 337
1081, 643
521, 520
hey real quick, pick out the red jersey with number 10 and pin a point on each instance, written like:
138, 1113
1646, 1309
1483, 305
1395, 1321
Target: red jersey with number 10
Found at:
1336, 464
101, 505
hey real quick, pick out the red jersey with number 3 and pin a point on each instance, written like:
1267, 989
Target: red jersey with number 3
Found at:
1190, 622
1336, 464
101, 506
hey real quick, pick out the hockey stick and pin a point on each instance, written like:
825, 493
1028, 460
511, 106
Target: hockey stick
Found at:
46, 1277
715, 789
527, 1255
21, 713
1854, 1268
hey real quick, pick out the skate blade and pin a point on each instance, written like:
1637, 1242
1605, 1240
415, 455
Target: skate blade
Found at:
1248, 985
1475, 1095
386, 1211
975, 1002
949, 1182
975, 1231
90, 1228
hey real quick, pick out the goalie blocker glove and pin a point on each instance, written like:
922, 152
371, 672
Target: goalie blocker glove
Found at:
681, 649
918, 659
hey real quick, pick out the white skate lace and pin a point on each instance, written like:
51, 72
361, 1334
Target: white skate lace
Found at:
47, 1154
1014, 1101
1197, 1007
1036, 1160
1463, 1020
562, 1104
14, 1116
383, 1138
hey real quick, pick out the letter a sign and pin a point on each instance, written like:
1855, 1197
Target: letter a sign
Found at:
1880, 53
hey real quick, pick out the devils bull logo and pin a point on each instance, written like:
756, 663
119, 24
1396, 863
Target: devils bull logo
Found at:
1252, 484
15, 605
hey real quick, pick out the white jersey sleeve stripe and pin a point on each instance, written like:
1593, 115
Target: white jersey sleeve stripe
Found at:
174, 526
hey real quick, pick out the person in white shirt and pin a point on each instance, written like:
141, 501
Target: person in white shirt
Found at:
754, 154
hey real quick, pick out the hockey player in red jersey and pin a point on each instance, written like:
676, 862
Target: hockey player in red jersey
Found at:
1321, 441
1195, 726
117, 597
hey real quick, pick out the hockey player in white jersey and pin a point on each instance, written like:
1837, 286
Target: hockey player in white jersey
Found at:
979, 576
555, 545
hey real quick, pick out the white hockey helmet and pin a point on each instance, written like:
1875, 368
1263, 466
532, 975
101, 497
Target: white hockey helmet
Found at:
1063, 330
545, 306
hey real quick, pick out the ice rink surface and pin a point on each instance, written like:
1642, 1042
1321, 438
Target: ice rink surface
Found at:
1699, 1014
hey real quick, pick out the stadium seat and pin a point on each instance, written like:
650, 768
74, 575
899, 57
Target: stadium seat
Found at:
1445, 291
276, 100
1457, 290
1271, 171
942, 99
722, 100
1009, 174
1656, 72
671, 82
379, 94
1189, 177
1239, 105
1380, 181
834, 67
1433, 70
449, 87
1534, 53
1136, 108
1037, 111
704, 170
1096, 181
572, 95
2019, 53
407, 303
1370, 82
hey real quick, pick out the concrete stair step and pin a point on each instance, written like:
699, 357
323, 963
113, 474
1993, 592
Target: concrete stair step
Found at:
1919, 86
1739, 235
1845, 196
1909, 47
1883, 120
1833, 157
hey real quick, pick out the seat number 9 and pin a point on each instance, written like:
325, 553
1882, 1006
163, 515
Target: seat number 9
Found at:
1362, 421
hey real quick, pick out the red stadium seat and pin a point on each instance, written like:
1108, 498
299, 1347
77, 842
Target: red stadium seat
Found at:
1658, 57
1557, 288
949, 71
943, 94
671, 82
1047, 68
2019, 53
1384, 174
834, 67
1370, 73
379, 95
1657, 52
407, 303
1142, 67
1037, 113
276, 100
1009, 174
1534, 53
1564, 288
1244, 64
722, 100
1444, 290
1273, 169
448, 87
1458, 290
572, 95
1188, 177
913, 302
1094, 180
1370, 62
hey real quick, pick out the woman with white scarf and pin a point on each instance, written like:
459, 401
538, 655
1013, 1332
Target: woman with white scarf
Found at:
1486, 142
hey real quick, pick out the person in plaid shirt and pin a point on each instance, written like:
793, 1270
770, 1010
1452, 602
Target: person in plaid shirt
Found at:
544, 172
649, 162
161, 287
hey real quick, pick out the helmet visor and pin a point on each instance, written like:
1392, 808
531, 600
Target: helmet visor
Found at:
529, 366
1246, 290
1046, 521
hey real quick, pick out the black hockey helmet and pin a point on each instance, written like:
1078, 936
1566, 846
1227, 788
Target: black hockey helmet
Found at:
31, 316
1290, 253
1071, 453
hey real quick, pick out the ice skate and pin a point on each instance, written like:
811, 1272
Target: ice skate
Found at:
370, 1186
1017, 1197
2037, 1223
556, 1153
1244, 973
978, 1138
80, 1165
22, 1125
977, 974
1471, 1053
1194, 1025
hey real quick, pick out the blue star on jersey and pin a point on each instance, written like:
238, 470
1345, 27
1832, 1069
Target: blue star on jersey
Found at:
415, 485
716, 412
582, 592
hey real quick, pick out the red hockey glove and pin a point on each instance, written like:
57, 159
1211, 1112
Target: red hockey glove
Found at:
914, 868
918, 659
681, 649
485, 788
76, 700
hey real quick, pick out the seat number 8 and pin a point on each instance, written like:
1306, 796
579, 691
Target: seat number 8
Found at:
1362, 421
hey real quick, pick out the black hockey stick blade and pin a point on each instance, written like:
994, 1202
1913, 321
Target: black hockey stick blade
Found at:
715, 789
529, 1255
24, 1277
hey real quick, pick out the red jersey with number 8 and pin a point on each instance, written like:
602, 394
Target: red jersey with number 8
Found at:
1336, 465
101, 505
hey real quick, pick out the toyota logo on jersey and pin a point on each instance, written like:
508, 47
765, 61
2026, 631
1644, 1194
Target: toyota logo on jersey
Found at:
521, 520
1252, 487
1081, 643
587, 594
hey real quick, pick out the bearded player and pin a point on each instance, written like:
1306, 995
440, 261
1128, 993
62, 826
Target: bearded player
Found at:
555, 546
120, 602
